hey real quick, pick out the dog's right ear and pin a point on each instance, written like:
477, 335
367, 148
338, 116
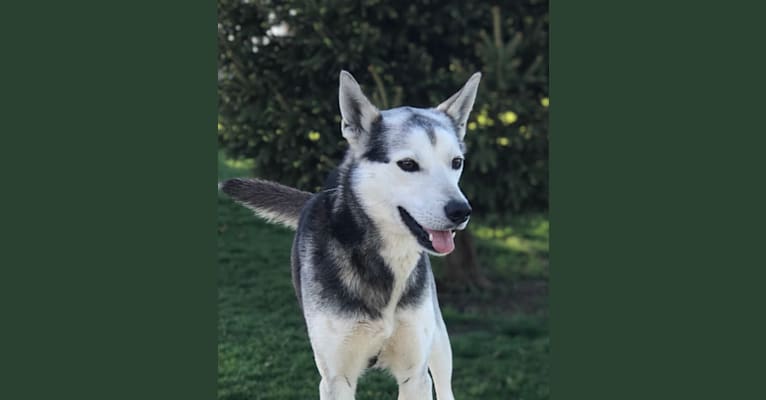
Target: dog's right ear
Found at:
357, 113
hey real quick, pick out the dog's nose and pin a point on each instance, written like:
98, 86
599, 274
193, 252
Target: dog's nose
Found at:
457, 211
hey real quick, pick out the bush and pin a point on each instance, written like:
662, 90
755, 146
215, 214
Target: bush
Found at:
278, 84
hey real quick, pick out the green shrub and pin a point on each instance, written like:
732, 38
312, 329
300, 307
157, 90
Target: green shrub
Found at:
278, 93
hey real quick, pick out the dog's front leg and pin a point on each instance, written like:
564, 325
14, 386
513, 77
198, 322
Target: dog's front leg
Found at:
407, 352
408, 363
340, 368
342, 350
336, 388
416, 387
339, 371
440, 362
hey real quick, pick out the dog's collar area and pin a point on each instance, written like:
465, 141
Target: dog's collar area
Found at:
426, 238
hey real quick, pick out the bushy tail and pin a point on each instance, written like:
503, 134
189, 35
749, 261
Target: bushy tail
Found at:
272, 201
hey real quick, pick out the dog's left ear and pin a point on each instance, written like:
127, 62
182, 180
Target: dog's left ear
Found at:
459, 106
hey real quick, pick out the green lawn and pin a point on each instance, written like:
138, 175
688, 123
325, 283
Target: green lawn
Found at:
499, 336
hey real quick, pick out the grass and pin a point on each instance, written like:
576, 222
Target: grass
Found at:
499, 336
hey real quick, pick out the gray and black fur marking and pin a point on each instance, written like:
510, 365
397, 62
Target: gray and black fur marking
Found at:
377, 148
424, 122
350, 247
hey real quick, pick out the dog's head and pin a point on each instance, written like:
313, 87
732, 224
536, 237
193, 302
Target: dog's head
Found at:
407, 163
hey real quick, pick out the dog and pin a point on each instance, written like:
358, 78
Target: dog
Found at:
360, 263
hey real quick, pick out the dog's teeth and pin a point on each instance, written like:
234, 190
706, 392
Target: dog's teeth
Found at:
453, 233
430, 237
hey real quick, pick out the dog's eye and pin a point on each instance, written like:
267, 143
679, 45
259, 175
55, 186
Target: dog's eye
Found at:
408, 165
457, 162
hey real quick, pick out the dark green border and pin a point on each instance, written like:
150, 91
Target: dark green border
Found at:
656, 168
108, 270
109, 156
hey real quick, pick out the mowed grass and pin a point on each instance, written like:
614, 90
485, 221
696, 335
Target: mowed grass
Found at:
499, 335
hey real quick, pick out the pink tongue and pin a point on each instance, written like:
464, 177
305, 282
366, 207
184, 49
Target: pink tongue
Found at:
442, 241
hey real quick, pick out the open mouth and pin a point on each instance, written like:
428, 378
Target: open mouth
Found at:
441, 242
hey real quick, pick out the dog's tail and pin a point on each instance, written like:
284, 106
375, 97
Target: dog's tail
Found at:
272, 201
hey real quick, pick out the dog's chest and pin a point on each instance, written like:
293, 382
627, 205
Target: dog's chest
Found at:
403, 265
383, 328
402, 259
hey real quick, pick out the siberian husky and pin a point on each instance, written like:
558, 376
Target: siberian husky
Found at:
359, 259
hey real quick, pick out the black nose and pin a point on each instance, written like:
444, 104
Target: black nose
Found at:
457, 211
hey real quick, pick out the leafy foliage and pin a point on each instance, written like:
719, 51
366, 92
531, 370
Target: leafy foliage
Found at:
278, 77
